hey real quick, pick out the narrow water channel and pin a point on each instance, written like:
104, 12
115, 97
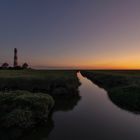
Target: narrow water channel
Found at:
95, 117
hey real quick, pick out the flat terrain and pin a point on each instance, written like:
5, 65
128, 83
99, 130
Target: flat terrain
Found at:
122, 86
40, 74
47, 81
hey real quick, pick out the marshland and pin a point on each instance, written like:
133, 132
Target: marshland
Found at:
37, 104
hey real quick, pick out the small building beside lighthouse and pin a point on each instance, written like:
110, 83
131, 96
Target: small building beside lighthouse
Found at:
16, 65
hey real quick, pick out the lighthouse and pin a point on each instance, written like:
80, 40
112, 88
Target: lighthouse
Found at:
15, 57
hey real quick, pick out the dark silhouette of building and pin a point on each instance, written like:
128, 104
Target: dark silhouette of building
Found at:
5, 65
25, 66
15, 58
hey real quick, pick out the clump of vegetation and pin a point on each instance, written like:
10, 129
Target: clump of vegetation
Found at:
123, 87
23, 109
27, 107
127, 98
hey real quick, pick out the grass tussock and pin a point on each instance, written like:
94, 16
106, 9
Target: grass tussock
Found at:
23, 109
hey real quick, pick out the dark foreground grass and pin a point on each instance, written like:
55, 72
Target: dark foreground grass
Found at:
123, 86
25, 103
53, 82
20, 111
23, 109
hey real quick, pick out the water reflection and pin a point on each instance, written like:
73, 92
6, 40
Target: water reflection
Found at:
42, 132
67, 104
127, 98
123, 91
94, 117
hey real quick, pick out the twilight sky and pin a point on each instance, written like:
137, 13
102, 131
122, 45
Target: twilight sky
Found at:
71, 33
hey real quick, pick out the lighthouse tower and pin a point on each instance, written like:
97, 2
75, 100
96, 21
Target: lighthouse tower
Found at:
15, 58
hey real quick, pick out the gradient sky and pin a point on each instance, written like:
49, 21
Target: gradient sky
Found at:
71, 33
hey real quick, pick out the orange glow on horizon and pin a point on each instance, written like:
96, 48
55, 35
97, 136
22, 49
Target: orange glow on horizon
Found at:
97, 66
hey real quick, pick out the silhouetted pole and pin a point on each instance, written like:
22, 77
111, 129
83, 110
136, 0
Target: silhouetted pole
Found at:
15, 58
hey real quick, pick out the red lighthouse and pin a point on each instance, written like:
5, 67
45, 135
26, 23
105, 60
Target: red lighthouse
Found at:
15, 58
